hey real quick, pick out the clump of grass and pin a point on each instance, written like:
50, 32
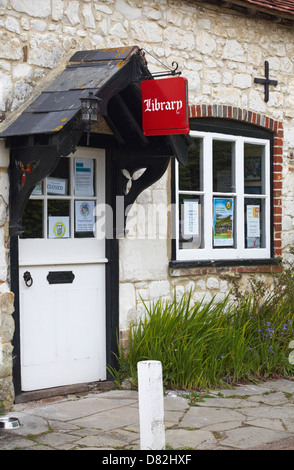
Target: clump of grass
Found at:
211, 344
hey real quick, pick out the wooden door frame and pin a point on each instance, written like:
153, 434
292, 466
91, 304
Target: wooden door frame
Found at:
111, 294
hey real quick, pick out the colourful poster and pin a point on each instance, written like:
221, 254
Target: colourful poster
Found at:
38, 190
223, 222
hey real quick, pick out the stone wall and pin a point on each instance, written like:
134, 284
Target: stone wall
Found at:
145, 274
6, 297
6, 349
220, 51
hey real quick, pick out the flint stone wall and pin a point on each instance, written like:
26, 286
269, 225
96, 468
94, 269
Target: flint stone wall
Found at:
220, 51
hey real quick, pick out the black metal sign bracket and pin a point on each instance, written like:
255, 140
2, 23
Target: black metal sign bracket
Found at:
173, 70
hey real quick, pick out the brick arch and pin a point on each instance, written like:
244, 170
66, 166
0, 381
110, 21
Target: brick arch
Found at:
276, 127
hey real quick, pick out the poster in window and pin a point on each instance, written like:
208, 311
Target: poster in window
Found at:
84, 216
57, 186
38, 189
58, 227
223, 222
191, 218
253, 226
84, 177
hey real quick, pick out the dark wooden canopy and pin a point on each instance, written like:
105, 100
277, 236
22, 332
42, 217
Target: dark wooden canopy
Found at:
51, 126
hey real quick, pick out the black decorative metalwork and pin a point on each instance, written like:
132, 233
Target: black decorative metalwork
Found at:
28, 279
266, 81
60, 277
90, 111
173, 70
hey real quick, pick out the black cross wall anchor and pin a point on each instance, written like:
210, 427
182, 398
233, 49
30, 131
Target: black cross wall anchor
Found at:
266, 81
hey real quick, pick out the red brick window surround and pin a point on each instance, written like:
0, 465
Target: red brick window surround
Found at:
266, 123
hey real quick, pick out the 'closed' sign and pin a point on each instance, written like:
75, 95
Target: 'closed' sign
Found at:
165, 106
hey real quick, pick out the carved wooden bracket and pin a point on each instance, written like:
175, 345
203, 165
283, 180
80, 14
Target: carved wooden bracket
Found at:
30, 164
154, 168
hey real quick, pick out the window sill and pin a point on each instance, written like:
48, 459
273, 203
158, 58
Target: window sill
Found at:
234, 267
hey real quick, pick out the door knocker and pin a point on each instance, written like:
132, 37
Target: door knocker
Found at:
28, 279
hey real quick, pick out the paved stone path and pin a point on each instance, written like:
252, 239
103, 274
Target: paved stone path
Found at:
246, 417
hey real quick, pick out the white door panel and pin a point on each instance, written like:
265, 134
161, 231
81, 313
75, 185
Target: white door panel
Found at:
71, 251
62, 325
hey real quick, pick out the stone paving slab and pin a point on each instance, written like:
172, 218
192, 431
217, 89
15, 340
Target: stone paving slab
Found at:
246, 437
267, 423
281, 385
273, 398
83, 407
272, 412
206, 417
231, 403
242, 390
245, 417
119, 418
30, 425
189, 439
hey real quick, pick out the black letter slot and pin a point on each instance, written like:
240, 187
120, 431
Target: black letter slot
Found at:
60, 277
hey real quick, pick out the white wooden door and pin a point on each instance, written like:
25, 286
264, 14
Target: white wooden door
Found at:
62, 277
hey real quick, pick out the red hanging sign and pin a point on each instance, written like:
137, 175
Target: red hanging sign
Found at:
165, 106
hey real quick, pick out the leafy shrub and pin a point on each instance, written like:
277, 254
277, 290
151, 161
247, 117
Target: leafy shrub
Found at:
214, 344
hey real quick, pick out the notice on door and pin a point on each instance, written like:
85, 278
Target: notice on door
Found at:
84, 177
58, 227
56, 186
84, 216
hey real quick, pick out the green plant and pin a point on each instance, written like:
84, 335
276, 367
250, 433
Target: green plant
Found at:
214, 344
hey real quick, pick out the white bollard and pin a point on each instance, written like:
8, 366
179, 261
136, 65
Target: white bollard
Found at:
151, 407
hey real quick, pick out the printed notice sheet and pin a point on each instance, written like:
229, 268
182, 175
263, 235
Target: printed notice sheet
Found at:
253, 226
58, 227
56, 186
84, 216
84, 177
191, 218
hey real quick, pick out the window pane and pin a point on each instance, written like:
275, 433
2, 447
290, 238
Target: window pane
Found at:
253, 169
223, 166
58, 218
38, 189
190, 175
84, 219
33, 219
57, 182
254, 223
58, 207
190, 222
224, 222
224, 198
84, 169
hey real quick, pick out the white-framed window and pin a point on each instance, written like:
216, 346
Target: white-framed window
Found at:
62, 205
223, 199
